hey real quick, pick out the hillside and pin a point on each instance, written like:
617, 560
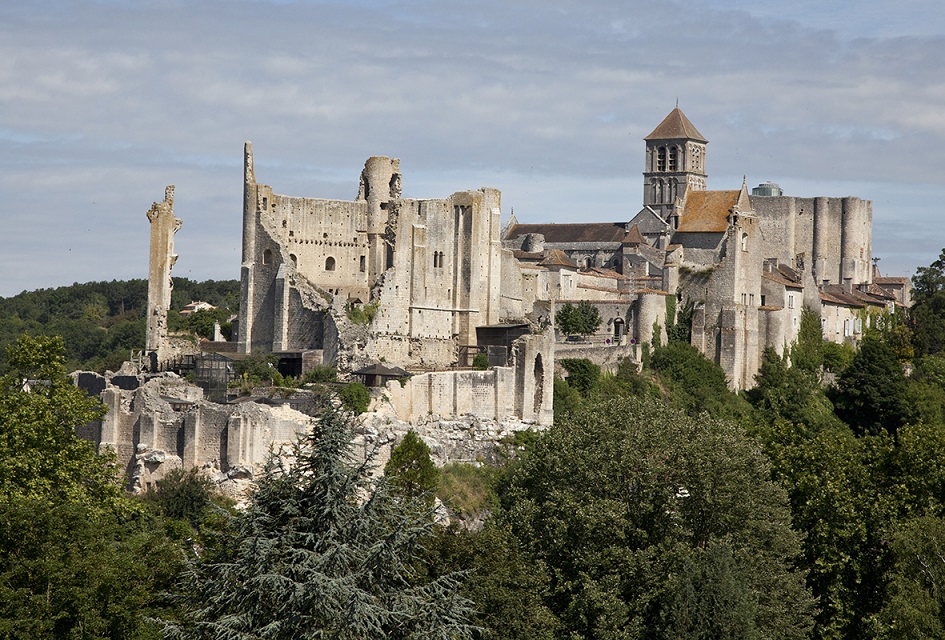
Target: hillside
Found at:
101, 322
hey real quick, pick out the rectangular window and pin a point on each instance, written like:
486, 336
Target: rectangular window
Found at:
790, 301
362, 264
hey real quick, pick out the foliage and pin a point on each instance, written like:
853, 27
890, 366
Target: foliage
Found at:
258, 368
323, 551
694, 383
928, 308
789, 393
40, 454
70, 571
582, 319
582, 373
100, 322
355, 397
566, 399
202, 322
871, 392
916, 604
468, 490
807, 354
411, 470
837, 357
505, 586
183, 495
77, 558
678, 325
320, 375
480, 362
619, 502
359, 314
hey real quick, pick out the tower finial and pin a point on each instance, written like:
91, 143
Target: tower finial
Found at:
677, 102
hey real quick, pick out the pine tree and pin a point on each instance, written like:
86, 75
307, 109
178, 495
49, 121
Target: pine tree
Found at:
323, 551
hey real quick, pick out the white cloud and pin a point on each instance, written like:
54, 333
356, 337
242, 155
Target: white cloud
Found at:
107, 102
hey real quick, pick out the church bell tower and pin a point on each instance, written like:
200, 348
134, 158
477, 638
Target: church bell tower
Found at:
675, 165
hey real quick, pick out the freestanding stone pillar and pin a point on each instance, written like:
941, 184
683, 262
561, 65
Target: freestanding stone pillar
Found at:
162, 257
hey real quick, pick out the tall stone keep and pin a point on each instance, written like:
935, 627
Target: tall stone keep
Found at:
162, 258
675, 165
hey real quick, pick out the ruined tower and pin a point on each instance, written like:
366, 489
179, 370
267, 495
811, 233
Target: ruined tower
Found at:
162, 258
675, 164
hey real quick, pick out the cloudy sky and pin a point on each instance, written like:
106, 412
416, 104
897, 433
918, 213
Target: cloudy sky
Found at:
104, 103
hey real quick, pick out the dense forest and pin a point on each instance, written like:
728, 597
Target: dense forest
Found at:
102, 322
659, 505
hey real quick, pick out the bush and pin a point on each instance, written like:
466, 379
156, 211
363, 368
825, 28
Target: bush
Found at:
582, 373
411, 470
320, 374
480, 362
355, 397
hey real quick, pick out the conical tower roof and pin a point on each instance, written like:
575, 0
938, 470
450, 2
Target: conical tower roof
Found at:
675, 126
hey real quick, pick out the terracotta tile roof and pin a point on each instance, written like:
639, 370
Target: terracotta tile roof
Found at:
836, 295
648, 290
877, 291
528, 255
789, 273
573, 232
597, 272
676, 125
634, 236
770, 307
780, 279
707, 211
890, 280
556, 258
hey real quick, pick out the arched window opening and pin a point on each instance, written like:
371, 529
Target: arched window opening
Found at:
294, 259
661, 159
267, 257
329, 264
673, 151
539, 384
744, 242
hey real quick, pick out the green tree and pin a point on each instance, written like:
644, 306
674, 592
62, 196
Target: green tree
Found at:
323, 551
77, 558
183, 495
411, 469
355, 397
582, 374
694, 383
916, 604
871, 392
789, 393
506, 588
621, 497
807, 353
928, 308
40, 454
582, 319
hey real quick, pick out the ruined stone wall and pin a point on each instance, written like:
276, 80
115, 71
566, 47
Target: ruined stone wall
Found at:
445, 278
521, 392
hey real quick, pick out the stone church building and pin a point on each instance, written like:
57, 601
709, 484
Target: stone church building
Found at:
746, 262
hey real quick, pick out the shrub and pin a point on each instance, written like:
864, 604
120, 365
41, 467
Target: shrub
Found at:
480, 362
355, 397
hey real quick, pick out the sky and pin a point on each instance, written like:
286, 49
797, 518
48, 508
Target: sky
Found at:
104, 103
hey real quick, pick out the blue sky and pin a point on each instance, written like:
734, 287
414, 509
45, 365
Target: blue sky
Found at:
104, 103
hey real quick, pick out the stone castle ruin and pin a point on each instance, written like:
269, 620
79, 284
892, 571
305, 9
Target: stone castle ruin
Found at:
386, 283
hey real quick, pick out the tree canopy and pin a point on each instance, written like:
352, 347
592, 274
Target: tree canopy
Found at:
324, 550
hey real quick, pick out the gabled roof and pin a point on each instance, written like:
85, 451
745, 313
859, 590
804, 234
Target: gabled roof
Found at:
573, 232
557, 258
780, 279
675, 126
707, 211
634, 236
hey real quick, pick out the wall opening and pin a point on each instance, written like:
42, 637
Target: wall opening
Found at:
362, 265
539, 384
329, 264
267, 256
